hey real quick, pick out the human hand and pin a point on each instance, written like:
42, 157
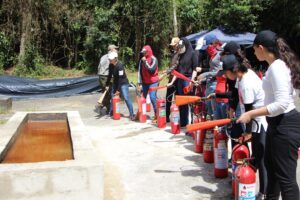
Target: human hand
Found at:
231, 113
244, 118
245, 137
198, 69
170, 84
144, 58
106, 88
211, 96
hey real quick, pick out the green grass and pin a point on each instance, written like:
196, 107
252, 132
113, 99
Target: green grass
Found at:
3, 111
2, 121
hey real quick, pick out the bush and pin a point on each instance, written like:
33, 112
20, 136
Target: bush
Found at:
6, 53
32, 64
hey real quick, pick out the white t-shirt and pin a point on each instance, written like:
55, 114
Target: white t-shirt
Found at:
251, 92
278, 89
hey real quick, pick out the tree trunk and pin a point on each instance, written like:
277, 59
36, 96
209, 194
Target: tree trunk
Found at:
26, 27
138, 38
175, 19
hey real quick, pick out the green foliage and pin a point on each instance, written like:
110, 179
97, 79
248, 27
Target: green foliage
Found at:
190, 15
233, 15
6, 53
75, 34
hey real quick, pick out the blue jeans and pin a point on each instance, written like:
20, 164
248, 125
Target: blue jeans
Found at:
184, 110
152, 93
210, 105
221, 110
125, 94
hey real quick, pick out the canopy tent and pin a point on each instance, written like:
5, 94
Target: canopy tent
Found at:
20, 88
241, 38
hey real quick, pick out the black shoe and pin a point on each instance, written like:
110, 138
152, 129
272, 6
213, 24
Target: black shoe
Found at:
189, 134
132, 118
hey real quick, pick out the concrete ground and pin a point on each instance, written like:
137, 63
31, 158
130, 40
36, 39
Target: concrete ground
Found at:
140, 160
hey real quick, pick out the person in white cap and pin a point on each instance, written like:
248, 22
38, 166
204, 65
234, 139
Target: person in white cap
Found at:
120, 81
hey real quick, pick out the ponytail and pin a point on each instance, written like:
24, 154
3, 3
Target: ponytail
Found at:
244, 63
285, 53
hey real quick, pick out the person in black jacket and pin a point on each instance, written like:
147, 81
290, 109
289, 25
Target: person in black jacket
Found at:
120, 81
187, 64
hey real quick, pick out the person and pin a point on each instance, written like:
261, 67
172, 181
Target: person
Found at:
231, 93
187, 64
283, 133
120, 81
148, 75
173, 64
103, 70
103, 67
211, 44
251, 96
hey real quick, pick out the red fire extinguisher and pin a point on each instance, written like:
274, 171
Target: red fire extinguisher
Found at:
148, 103
161, 113
142, 108
220, 154
245, 182
208, 152
239, 152
175, 119
116, 107
198, 142
199, 138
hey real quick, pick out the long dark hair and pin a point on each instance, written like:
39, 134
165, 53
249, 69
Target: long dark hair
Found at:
285, 53
244, 62
279, 47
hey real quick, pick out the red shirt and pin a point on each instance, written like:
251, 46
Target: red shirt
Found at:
221, 88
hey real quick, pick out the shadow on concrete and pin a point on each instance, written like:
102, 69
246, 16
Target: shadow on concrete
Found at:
221, 188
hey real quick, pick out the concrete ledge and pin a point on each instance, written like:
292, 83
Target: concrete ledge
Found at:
5, 104
81, 178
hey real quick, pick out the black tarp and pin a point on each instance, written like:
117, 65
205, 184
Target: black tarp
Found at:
21, 88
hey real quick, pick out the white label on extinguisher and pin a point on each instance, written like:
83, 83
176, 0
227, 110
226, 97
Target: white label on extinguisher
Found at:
207, 147
197, 135
221, 161
175, 118
144, 108
117, 107
246, 191
162, 111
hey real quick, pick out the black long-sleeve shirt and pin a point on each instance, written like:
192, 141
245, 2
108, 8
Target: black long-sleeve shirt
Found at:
118, 72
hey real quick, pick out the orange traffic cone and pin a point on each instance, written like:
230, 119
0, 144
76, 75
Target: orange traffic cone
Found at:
208, 124
183, 100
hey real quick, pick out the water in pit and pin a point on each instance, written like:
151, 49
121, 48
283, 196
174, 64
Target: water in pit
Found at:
39, 141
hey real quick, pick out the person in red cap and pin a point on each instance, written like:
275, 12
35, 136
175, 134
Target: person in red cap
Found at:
148, 75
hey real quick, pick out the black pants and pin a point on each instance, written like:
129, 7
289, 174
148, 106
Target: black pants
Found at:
283, 141
258, 152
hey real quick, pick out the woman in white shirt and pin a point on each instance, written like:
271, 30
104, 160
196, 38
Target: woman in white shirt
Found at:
251, 96
283, 133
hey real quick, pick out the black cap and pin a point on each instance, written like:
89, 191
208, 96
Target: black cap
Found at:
230, 62
230, 48
266, 38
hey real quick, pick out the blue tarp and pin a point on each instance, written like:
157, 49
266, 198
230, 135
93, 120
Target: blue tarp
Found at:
241, 38
20, 88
